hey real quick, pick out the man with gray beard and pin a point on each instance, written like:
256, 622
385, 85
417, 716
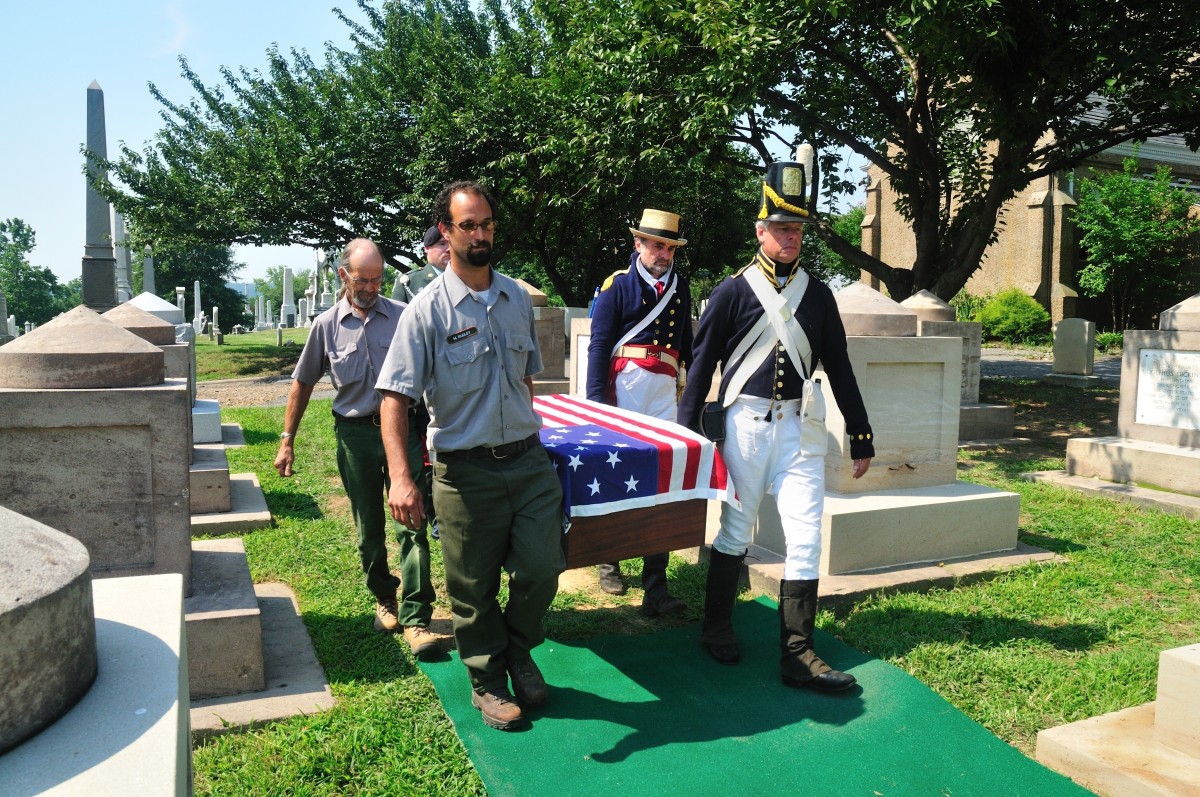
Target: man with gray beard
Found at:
350, 341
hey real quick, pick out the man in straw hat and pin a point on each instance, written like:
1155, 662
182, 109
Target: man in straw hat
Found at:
640, 340
774, 422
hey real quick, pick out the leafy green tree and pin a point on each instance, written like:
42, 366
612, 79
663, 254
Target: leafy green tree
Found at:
959, 103
315, 153
825, 263
32, 293
1139, 239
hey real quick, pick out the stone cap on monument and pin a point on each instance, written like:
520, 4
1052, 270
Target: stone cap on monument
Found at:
80, 350
47, 626
145, 325
1183, 317
157, 306
536, 296
929, 307
868, 313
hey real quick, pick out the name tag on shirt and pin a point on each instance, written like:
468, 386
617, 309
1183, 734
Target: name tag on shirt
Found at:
462, 334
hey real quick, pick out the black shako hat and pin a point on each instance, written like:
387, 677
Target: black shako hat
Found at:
785, 193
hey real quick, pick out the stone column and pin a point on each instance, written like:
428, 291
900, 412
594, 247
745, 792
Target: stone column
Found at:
180, 299
216, 328
198, 321
99, 265
302, 317
287, 310
148, 270
5, 326
270, 317
124, 268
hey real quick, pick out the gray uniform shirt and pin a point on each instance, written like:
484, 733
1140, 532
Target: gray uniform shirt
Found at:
352, 350
469, 362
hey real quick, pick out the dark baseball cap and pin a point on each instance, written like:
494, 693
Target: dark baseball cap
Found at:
433, 237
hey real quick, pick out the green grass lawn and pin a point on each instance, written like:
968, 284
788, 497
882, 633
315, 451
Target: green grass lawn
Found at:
249, 354
1037, 647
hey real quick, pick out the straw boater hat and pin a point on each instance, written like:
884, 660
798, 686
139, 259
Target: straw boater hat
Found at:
659, 225
784, 193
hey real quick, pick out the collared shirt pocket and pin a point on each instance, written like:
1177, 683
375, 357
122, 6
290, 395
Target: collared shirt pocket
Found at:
345, 367
517, 349
467, 372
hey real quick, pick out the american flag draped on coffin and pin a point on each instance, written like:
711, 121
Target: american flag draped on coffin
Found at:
632, 485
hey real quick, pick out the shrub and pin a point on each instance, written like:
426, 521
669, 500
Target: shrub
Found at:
1013, 317
967, 307
1110, 342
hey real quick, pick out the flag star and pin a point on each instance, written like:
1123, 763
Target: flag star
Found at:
613, 459
555, 437
621, 445
576, 463
631, 485
581, 448
595, 486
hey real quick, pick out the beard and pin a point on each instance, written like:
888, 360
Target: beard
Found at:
479, 253
363, 300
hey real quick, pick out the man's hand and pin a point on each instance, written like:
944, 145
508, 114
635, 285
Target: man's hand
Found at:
285, 458
861, 466
405, 503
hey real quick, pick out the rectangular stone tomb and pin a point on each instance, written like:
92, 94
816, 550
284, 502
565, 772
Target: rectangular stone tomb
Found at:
901, 527
1160, 387
911, 388
635, 532
108, 467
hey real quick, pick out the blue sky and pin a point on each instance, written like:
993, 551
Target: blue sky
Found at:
52, 52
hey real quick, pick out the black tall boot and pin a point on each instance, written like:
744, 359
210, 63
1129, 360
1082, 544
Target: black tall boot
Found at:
798, 664
716, 633
656, 598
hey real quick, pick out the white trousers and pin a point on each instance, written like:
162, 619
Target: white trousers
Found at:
646, 392
763, 456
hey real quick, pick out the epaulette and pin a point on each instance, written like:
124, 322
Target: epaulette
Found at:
609, 280
742, 270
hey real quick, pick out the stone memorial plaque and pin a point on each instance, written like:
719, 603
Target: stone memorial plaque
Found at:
1167, 390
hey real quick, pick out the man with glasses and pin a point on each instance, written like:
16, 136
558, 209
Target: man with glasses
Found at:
468, 345
640, 340
350, 341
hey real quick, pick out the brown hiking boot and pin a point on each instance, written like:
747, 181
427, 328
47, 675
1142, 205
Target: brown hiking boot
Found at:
422, 643
386, 619
498, 709
527, 681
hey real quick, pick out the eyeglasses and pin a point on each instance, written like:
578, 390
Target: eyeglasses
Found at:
358, 283
487, 225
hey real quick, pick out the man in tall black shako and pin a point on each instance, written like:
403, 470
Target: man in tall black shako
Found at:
640, 340
774, 426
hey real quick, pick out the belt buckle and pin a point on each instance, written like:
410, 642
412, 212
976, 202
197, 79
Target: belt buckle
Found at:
654, 355
377, 420
501, 456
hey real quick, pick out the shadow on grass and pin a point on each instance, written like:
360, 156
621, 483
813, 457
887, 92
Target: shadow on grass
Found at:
352, 651
1054, 544
292, 504
894, 632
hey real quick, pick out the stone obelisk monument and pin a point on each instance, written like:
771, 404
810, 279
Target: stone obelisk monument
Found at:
99, 265
287, 307
148, 270
5, 334
124, 266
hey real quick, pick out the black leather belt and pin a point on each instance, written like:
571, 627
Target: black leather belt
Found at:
361, 420
500, 452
